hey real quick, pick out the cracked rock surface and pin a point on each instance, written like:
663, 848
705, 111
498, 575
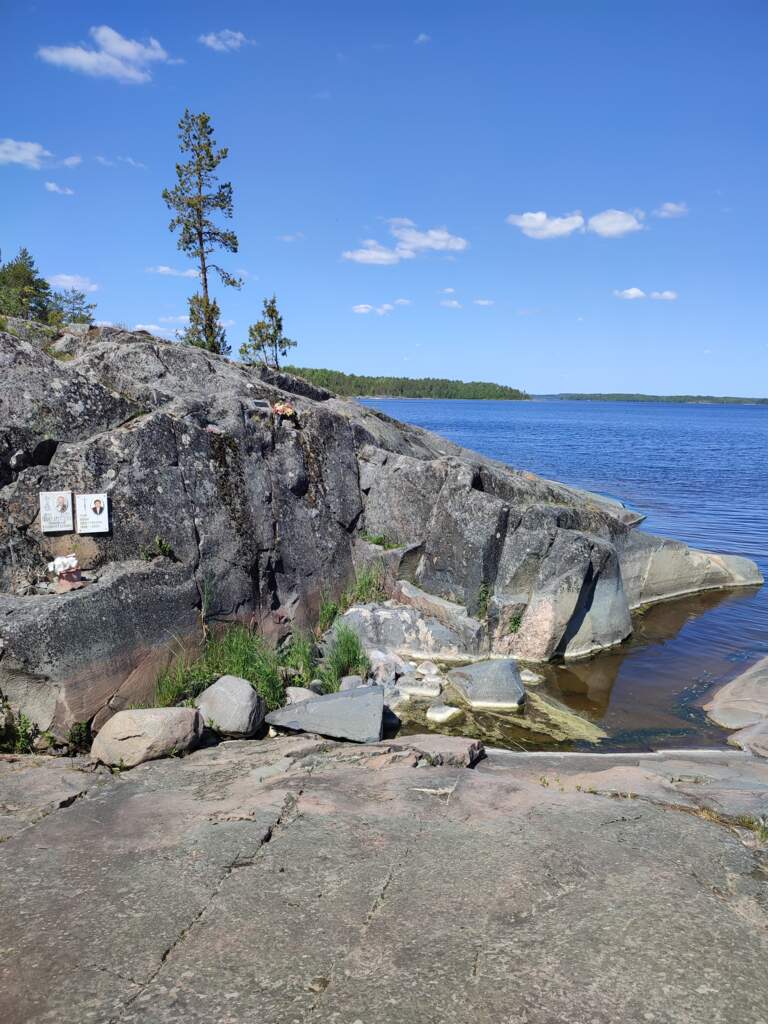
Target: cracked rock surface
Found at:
298, 880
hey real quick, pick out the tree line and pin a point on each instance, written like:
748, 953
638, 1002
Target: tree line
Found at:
355, 385
24, 293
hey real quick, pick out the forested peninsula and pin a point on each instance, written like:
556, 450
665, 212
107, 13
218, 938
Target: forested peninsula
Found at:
689, 399
352, 384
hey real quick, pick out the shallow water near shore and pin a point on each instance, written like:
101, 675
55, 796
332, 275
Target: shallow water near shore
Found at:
700, 474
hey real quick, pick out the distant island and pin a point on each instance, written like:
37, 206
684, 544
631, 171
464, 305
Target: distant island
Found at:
356, 385
689, 399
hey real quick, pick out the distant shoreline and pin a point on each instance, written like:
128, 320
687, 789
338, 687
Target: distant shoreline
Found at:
668, 399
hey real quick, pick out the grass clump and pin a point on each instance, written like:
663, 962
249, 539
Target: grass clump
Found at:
381, 540
236, 651
369, 588
159, 548
345, 657
299, 654
483, 600
329, 609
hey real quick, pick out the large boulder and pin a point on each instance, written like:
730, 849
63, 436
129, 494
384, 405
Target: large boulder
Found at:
354, 714
493, 685
231, 707
131, 737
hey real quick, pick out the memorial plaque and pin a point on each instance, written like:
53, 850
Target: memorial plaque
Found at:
56, 512
92, 513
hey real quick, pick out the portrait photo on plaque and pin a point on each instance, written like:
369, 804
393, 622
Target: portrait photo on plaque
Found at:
92, 513
56, 511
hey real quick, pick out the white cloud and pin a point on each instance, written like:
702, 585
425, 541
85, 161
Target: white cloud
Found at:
615, 223
410, 242
539, 225
125, 60
82, 284
62, 190
297, 236
629, 293
384, 308
670, 210
665, 296
422, 38
448, 291
483, 302
182, 319
72, 161
154, 329
27, 154
104, 162
362, 307
225, 41
172, 272
402, 302
132, 163
451, 304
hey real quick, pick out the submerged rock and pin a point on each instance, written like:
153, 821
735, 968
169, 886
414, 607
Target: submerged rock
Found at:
487, 685
131, 737
348, 715
231, 707
441, 714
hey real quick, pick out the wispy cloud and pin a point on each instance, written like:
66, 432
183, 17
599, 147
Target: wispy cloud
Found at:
26, 154
422, 38
362, 307
181, 319
172, 271
451, 303
541, 225
62, 190
225, 41
410, 242
402, 302
483, 302
382, 310
125, 60
638, 293
128, 160
447, 291
82, 284
72, 161
297, 236
668, 211
615, 223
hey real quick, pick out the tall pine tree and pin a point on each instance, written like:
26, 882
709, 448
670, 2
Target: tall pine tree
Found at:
195, 199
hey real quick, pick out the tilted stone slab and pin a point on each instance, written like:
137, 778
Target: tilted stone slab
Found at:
348, 715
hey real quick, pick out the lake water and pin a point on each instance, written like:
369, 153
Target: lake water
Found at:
700, 474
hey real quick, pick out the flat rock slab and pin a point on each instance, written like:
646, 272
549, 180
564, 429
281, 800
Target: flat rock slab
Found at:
32, 786
354, 714
298, 880
743, 701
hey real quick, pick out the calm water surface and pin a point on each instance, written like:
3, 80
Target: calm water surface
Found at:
700, 474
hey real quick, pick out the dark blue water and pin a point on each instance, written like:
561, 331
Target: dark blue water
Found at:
700, 474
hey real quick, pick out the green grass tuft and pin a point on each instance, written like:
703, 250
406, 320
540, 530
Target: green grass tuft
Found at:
300, 654
380, 539
345, 657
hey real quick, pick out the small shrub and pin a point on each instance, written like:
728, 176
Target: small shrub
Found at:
483, 600
159, 548
368, 588
345, 656
3, 324
25, 733
79, 738
513, 623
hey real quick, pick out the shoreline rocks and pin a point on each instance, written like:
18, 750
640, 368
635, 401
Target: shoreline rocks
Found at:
132, 737
232, 708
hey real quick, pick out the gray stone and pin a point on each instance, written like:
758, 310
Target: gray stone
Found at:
490, 684
424, 687
530, 678
231, 707
131, 737
351, 682
296, 694
350, 715
427, 668
385, 665
753, 739
441, 714
743, 701
407, 631
317, 686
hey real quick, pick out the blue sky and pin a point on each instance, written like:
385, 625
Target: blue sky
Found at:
512, 173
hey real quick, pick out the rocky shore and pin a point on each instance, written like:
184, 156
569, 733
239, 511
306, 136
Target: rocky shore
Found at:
242, 495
